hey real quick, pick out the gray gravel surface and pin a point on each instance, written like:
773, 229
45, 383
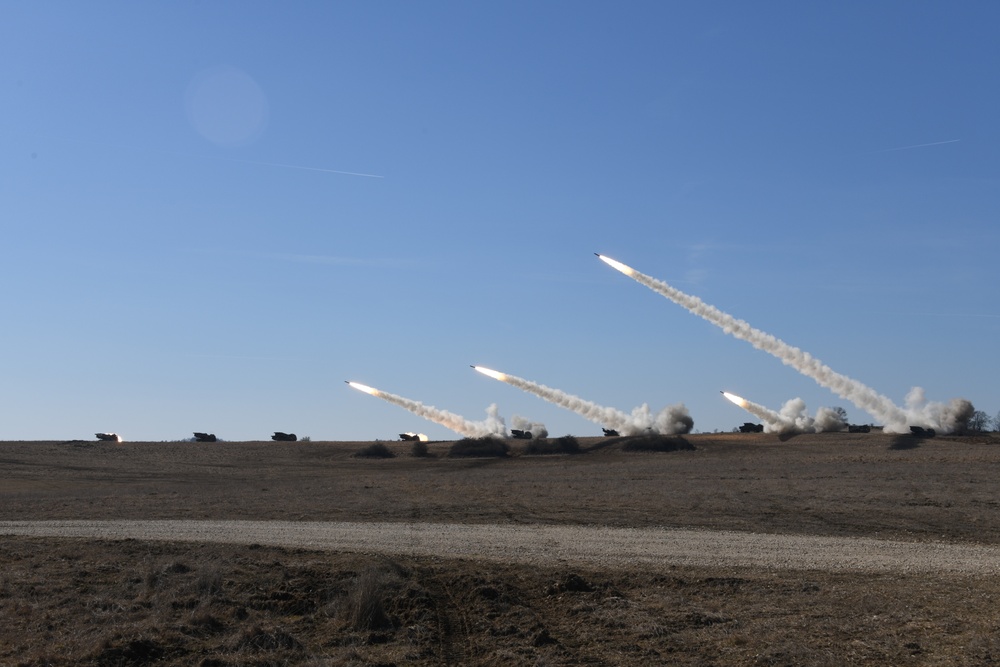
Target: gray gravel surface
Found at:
544, 544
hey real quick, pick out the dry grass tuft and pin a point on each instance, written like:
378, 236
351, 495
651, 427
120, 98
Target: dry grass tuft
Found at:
364, 607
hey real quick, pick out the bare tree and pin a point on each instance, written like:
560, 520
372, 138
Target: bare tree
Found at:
979, 422
840, 412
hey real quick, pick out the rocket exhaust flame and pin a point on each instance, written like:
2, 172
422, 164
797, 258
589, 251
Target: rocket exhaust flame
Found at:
734, 398
494, 424
945, 418
671, 420
627, 270
364, 388
496, 375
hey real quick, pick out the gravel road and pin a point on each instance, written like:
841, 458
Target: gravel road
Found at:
547, 545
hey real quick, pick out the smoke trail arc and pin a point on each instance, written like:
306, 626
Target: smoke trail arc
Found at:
493, 426
894, 418
862, 396
669, 421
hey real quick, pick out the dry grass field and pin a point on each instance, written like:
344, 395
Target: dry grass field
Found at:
90, 602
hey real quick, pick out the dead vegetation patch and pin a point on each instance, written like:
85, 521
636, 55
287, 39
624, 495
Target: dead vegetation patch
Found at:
655, 443
92, 604
375, 450
567, 444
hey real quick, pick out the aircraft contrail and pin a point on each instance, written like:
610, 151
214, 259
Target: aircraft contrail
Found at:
290, 166
493, 425
671, 420
896, 420
906, 148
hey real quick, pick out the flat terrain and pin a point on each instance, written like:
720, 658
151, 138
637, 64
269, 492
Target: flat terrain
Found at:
819, 549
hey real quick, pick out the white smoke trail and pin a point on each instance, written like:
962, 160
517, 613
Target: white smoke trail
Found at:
671, 420
792, 418
493, 425
773, 422
896, 420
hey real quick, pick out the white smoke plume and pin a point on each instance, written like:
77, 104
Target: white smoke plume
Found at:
946, 418
829, 420
673, 419
493, 425
536, 429
826, 420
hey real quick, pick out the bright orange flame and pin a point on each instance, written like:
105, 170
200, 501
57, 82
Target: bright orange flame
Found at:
496, 375
365, 388
624, 268
735, 399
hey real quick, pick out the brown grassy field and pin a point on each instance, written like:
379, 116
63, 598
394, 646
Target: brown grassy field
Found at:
78, 602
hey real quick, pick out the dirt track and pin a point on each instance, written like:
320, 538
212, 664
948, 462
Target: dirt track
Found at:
548, 545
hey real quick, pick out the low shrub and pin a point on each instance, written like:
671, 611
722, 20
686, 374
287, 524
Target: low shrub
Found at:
419, 448
375, 451
656, 443
564, 445
485, 446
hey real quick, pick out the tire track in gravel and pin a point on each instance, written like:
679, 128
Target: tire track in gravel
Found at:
453, 628
550, 545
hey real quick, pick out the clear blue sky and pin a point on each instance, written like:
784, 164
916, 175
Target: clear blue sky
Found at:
180, 253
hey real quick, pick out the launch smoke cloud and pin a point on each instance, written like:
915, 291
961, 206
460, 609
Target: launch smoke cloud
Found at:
945, 418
